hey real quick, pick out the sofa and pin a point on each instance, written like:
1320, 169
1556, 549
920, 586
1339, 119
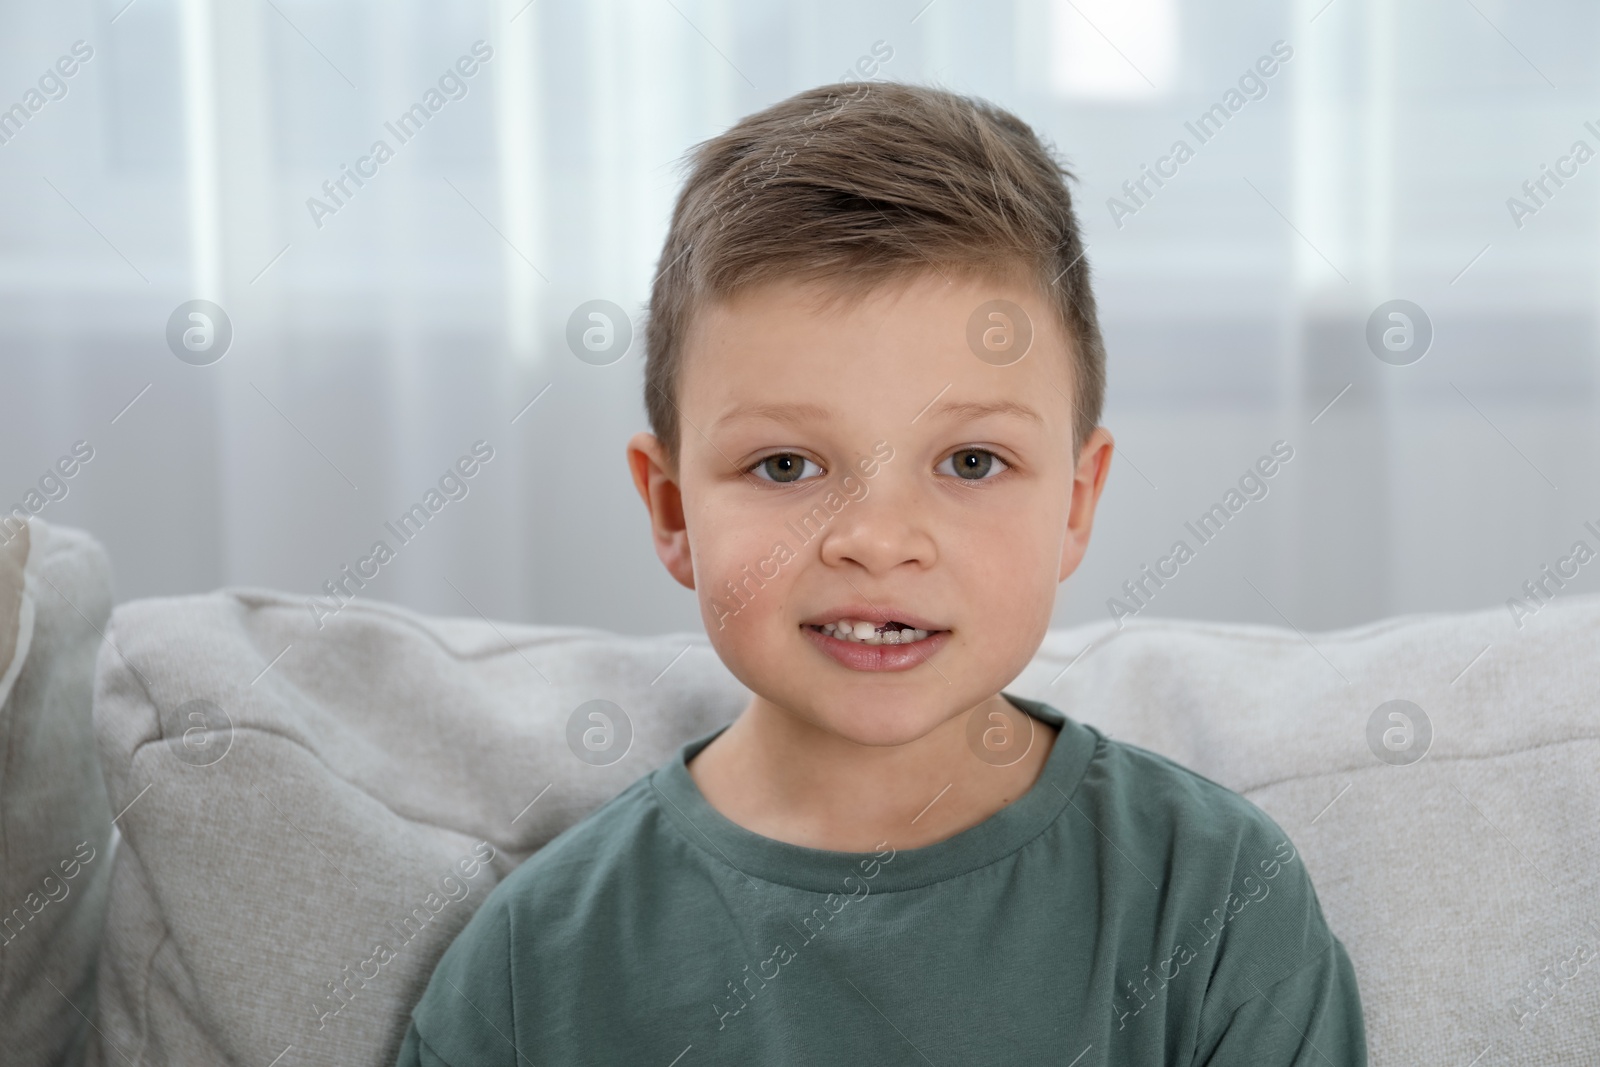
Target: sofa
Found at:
276, 822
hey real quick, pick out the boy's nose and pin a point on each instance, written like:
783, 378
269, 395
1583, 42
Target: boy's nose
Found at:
878, 534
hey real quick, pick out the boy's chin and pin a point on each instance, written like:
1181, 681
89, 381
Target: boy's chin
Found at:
872, 723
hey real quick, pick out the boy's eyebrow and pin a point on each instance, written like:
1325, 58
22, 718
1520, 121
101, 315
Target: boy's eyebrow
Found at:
795, 413
973, 409
792, 413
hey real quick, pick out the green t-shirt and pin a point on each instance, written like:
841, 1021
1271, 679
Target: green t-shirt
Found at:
1122, 911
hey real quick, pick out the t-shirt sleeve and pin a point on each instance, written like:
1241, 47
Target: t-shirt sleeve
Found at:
1281, 991
1312, 1018
465, 1017
415, 1052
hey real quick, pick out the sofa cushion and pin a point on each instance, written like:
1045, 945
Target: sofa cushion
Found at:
317, 806
55, 598
305, 793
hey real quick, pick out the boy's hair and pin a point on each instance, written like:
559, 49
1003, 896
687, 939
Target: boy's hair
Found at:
859, 185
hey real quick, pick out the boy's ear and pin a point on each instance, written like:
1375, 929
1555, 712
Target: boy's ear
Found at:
657, 482
1094, 463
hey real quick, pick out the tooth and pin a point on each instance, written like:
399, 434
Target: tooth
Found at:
867, 633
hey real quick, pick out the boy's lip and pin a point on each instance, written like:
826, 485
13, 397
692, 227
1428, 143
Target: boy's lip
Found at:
878, 616
857, 656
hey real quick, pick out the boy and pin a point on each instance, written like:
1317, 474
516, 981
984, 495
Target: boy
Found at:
874, 379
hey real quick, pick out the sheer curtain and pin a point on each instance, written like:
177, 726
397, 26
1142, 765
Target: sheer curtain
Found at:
383, 325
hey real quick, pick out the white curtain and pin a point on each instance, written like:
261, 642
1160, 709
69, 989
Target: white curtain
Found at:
378, 336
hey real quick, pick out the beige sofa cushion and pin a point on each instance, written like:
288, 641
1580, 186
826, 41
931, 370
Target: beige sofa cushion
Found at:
55, 598
301, 795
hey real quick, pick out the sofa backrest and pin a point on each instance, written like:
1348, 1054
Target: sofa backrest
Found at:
300, 791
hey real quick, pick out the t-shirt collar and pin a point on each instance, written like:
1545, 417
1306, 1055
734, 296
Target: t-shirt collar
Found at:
823, 870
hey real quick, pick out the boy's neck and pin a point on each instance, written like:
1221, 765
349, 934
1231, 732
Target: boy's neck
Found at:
784, 778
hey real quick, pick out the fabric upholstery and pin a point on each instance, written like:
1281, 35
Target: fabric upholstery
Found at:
55, 827
334, 777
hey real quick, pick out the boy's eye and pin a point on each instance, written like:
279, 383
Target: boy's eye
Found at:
972, 464
784, 467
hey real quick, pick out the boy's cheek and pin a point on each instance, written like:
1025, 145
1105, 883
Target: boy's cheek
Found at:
743, 582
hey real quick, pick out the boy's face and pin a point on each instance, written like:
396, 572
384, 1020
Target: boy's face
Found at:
864, 463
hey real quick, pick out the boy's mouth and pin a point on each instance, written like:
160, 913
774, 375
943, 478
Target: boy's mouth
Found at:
874, 637
879, 642
865, 632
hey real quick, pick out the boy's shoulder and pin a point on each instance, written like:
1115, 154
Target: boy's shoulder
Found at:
1157, 790
611, 860
1212, 856
1148, 792
1189, 828
621, 832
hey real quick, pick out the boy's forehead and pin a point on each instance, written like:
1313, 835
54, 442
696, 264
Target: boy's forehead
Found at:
810, 350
